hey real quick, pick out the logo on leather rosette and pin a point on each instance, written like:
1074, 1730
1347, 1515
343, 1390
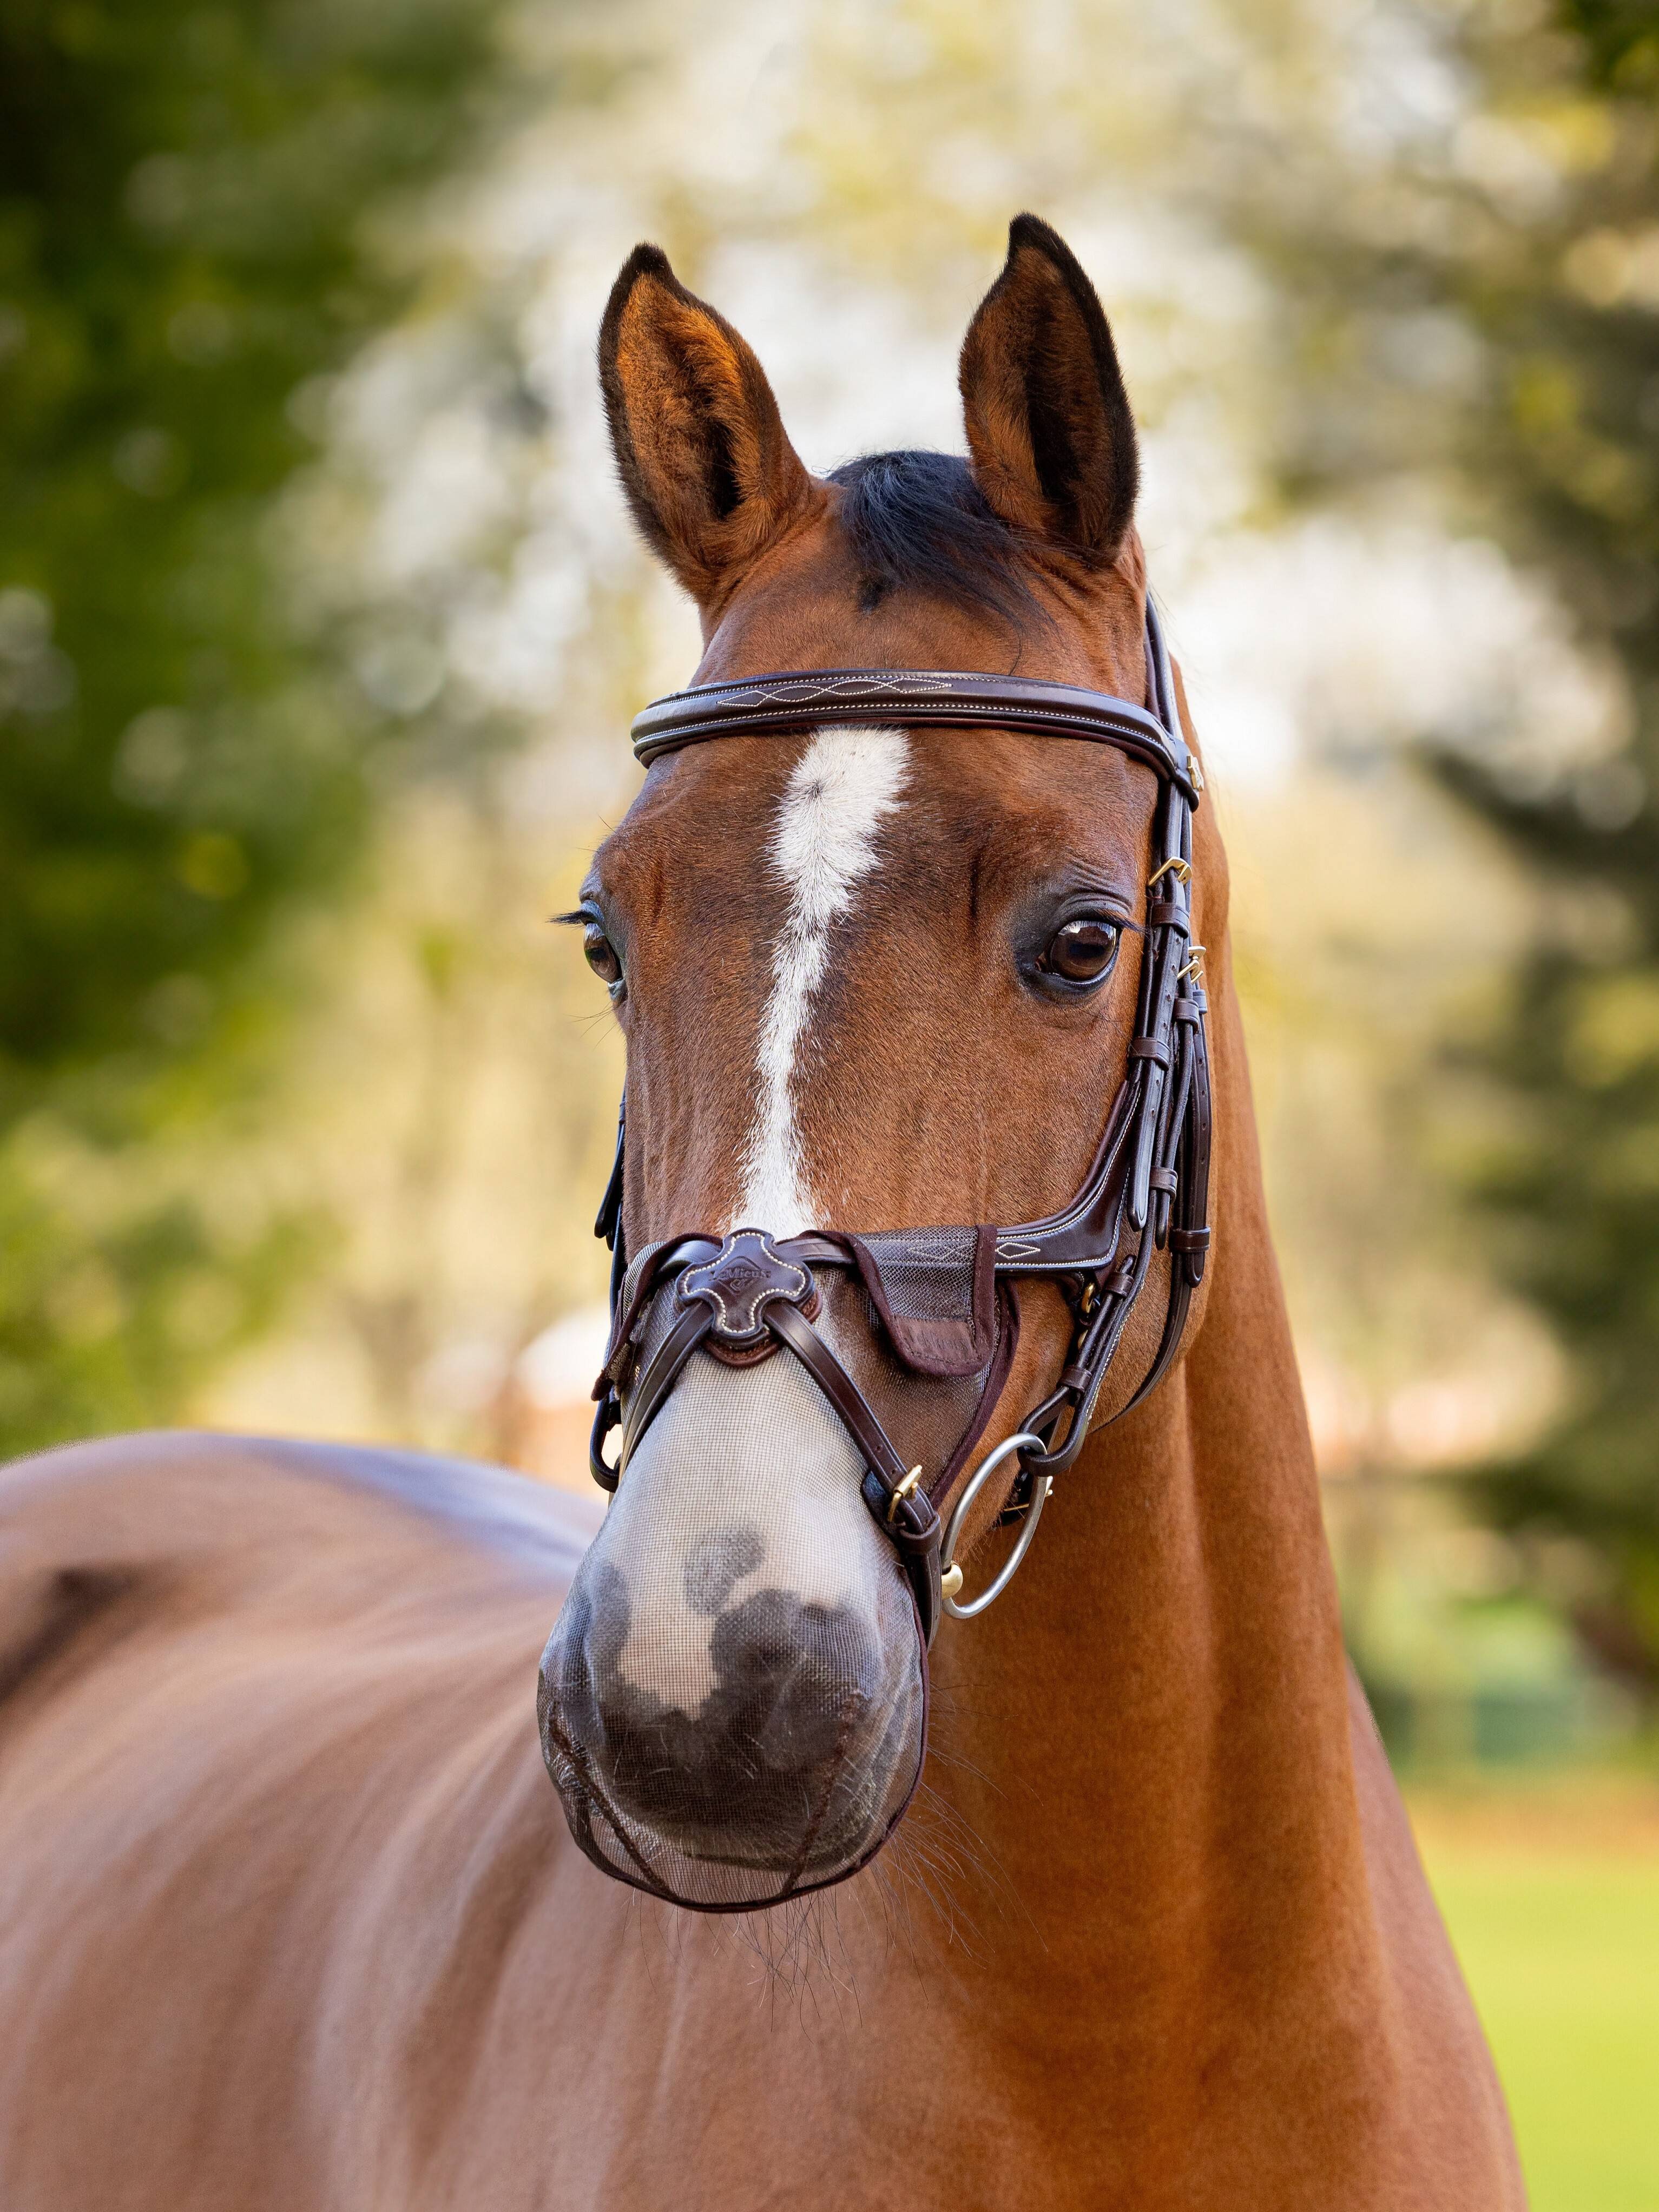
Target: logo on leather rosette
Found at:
737, 1279
745, 1278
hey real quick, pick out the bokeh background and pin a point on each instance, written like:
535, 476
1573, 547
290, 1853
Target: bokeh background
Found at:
320, 627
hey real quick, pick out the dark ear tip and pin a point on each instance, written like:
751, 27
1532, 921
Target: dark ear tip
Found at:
1030, 232
646, 260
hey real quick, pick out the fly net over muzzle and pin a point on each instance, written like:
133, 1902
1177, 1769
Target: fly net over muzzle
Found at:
897, 1344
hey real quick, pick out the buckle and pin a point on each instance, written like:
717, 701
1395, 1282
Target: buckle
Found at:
902, 1492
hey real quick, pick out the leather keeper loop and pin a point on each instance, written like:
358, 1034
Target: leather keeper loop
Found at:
1164, 1179
1149, 1048
1190, 1240
1165, 913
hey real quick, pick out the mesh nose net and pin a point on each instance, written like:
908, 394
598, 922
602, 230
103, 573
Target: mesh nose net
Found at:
733, 1702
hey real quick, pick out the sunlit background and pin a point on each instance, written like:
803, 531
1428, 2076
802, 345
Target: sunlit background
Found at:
321, 625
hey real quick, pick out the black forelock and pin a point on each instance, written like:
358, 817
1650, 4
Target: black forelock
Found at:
917, 521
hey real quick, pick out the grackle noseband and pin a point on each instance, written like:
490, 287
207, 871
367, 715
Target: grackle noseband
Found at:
942, 1296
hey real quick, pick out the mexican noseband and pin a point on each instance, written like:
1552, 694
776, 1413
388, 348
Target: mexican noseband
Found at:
942, 1298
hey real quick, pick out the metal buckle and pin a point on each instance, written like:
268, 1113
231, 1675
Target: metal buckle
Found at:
1180, 869
1195, 967
902, 1491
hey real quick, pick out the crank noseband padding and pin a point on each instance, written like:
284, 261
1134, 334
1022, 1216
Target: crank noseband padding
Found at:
760, 1296
934, 1292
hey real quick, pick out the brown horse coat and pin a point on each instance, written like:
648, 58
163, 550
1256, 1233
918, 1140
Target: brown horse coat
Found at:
289, 1921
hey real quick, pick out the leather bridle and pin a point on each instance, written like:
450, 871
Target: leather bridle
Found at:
743, 1297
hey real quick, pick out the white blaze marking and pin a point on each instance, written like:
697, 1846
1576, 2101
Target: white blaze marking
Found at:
760, 1450
823, 844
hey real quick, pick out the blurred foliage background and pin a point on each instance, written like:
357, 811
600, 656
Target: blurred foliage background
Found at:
321, 627
188, 210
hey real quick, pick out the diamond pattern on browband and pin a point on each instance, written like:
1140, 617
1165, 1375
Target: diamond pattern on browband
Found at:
781, 704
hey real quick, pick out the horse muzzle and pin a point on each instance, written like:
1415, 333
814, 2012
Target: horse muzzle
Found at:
733, 1700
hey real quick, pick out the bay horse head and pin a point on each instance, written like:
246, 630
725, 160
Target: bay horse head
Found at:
915, 944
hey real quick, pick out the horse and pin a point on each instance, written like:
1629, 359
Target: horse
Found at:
860, 1894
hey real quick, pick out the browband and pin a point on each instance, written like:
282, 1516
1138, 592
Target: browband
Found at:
917, 698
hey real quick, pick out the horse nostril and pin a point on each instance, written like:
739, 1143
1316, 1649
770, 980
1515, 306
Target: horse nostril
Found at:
581, 1655
798, 1677
740, 1749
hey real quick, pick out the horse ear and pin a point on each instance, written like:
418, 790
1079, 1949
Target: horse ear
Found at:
709, 470
1050, 429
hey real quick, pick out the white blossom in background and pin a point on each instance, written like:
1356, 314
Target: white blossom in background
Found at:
838, 176
852, 254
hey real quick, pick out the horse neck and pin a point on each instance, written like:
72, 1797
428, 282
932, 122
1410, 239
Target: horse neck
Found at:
1143, 1748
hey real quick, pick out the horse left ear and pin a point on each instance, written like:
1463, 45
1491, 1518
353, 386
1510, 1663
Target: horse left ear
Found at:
704, 458
1050, 429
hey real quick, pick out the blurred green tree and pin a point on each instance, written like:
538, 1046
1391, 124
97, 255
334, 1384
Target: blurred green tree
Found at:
1493, 307
1572, 433
194, 203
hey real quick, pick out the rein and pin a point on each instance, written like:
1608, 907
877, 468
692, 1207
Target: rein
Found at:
942, 1297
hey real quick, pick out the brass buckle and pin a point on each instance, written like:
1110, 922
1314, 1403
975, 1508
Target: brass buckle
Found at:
1195, 967
904, 1489
1180, 869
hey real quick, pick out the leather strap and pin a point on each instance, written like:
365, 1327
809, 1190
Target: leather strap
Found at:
903, 1513
917, 698
787, 1323
691, 1324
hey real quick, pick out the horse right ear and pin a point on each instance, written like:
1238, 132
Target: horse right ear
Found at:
1050, 429
708, 468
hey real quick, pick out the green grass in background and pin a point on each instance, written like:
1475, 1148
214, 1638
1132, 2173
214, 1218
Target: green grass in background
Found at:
1560, 1944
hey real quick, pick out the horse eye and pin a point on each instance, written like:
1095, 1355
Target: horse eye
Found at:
601, 957
1083, 950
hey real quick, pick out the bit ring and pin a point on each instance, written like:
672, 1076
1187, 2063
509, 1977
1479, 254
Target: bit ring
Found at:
1041, 1486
